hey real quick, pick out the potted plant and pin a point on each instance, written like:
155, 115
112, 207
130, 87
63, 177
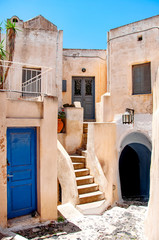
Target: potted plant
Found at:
61, 120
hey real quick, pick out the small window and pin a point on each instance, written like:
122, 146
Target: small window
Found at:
64, 85
139, 38
31, 82
141, 78
15, 20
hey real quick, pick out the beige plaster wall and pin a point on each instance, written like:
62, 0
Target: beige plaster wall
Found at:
3, 164
66, 177
43, 116
48, 160
151, 225
102, 158
95, 63
124, 50
72, 139
39, 43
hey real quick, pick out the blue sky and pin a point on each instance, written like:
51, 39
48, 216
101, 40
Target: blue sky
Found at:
84, 22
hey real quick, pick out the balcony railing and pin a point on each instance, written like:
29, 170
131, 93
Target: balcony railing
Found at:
22, 80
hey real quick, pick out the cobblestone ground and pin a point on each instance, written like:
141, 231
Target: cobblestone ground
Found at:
121, 222
116, 224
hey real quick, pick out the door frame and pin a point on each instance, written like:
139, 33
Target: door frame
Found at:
93, 92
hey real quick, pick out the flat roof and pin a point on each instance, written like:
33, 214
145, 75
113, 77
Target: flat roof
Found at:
134, 22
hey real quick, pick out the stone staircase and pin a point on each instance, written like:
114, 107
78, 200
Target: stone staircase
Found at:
91, 199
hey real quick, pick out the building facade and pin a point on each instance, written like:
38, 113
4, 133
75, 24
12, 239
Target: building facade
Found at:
114, 87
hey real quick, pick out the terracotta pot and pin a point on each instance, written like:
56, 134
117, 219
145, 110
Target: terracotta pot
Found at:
60, 125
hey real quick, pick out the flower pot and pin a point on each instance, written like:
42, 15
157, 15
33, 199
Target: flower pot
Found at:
60, 125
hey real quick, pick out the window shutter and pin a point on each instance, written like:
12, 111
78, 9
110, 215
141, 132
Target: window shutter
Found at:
141, 76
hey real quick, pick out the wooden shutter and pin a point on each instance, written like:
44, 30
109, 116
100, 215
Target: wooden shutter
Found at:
141, 77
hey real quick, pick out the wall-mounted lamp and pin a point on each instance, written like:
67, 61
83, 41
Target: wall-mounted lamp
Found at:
83, 69
128, 116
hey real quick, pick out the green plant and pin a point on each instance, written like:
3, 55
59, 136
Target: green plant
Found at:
2, 51
11, 34
9, 25
60, 219
68, 105
61, 115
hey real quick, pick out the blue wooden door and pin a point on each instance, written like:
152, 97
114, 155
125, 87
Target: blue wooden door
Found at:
21, 171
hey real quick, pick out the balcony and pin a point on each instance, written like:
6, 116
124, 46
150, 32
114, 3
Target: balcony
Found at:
25, 81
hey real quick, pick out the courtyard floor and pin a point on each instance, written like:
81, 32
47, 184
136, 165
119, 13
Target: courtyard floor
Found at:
120, 222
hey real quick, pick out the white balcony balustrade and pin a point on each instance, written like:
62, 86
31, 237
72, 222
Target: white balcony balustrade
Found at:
22, 80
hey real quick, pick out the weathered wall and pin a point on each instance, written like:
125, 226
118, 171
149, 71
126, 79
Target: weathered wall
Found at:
102, 158
66, 176
48, 160
43, 116
39, 43
151, 226
72, 139
3, 164
95, 63
124, 50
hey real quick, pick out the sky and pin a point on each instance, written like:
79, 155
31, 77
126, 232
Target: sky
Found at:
85, 23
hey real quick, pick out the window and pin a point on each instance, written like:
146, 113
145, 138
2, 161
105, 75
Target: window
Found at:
31, 82
15, 20
139, 38
141, 78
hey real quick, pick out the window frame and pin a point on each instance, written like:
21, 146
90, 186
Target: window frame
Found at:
142, 69
38, 72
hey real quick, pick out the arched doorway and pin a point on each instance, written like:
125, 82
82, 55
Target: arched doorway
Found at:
134, 169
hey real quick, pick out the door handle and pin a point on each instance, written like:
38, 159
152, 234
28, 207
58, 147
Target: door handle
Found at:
8, 175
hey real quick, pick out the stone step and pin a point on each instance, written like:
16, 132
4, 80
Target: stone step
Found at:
79, 159
84, 136
84, 180
94, 208
84, 153
84, 146
91, 197
85, 130
85, 125
92, 187
82, 172
81, 152
78, 165
84, 141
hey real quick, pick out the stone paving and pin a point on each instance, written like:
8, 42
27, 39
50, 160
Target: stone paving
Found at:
121, 222
116, 224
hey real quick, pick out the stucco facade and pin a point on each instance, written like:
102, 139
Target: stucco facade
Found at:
130, 45
40, 115
94, 63
151, 226
110, 142
39, 44
125, 49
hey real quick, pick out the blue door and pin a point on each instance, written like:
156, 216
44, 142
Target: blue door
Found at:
21, 171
